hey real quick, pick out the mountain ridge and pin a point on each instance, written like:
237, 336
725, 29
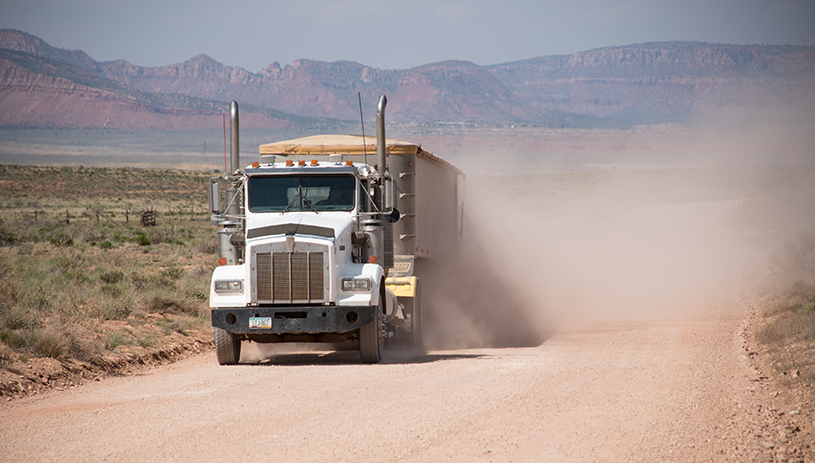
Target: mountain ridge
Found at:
631, 84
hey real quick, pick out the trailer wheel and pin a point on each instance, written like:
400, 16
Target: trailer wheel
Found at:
416, 318
371, 341
227, 347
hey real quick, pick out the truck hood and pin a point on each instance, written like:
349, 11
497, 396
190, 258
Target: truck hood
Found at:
325, 225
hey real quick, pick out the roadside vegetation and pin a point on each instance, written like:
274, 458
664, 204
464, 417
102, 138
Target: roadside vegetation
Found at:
84, 283
788, 334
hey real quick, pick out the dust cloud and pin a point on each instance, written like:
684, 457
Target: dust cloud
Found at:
550, 246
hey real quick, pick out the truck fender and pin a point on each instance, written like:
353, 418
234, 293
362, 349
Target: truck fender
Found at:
377, 276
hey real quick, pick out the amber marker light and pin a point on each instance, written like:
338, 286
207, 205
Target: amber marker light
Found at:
289, 162
349, 163
222, 261
255, 164
314, 162
371, 259
301, 162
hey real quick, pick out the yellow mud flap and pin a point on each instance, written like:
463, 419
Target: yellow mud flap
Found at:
402, 286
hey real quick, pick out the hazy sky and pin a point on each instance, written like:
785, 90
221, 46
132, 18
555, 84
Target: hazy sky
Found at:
394, 33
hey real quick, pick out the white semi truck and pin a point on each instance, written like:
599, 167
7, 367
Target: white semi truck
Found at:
317, 244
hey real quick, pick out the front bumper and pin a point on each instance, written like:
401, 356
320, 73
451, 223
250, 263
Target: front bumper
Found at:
292, 319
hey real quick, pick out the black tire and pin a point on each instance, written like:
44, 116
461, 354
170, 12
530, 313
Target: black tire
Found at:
371, 341
417, 319
227, 347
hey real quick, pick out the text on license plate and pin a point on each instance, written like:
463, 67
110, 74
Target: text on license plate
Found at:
260, 323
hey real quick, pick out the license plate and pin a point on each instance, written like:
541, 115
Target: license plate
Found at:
260, 323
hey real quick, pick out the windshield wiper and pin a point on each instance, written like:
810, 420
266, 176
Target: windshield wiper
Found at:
296, 195
308, 203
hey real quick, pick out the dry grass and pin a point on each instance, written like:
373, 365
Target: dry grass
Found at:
789, 332
80, 277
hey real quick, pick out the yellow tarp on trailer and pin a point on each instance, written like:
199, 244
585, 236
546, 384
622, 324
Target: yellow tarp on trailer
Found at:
343, 144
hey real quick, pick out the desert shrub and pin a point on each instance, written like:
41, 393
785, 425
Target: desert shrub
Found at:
116, 339
164, 303
183, 324
112, 276
9, 291
49, 343
7, 237
105, 245
120, 237
117, 310
207, 246
20, 318
15, 338
788, 334
112, 290
201, 271
70, 263
196, 289
142, 240
61, 240
147, 281
173, 273
146, 341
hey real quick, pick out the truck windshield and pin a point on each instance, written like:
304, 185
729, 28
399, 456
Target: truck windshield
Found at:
287, 193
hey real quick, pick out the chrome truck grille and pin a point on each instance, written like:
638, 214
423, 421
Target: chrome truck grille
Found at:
291, 277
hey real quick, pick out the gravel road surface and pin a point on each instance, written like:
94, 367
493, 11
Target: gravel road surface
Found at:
666, 389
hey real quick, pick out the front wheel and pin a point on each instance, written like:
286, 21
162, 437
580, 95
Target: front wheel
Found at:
371, 341
227, 347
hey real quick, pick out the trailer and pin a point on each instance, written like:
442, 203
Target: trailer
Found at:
323, 239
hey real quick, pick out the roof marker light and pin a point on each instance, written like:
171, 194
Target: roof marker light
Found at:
314, 162
349, 163
289, 162
301, 162
255, 164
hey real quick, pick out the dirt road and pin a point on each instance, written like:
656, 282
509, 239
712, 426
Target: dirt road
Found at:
669, 389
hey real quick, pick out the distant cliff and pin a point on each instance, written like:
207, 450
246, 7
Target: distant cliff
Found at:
646, 83
670, 81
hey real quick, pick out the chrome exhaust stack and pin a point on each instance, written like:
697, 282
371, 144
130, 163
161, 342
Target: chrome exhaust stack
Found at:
382, 166
230, 233
388, 188
380, 229
234, 138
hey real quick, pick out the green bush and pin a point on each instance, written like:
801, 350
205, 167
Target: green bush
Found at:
142, 240
106, 245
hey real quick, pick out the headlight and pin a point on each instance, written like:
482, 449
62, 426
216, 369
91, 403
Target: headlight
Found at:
228, 286
356, 284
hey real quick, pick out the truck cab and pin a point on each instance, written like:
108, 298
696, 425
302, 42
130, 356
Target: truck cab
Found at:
308, 269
